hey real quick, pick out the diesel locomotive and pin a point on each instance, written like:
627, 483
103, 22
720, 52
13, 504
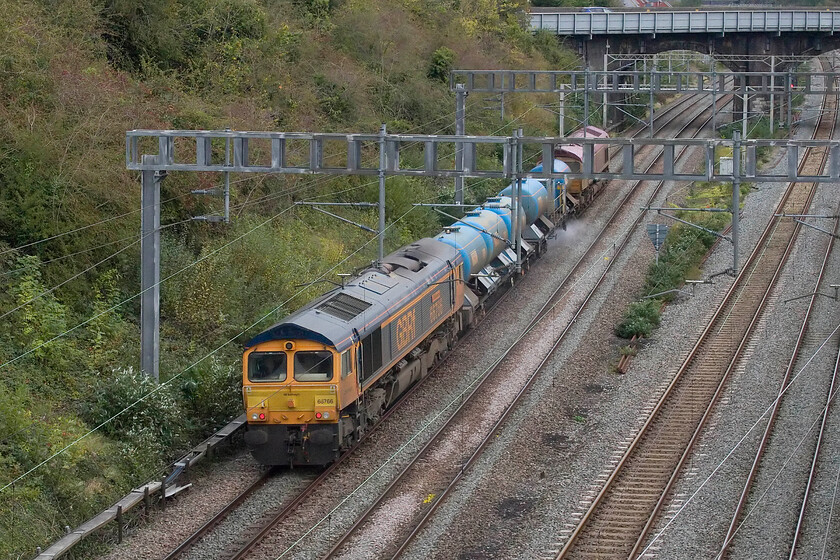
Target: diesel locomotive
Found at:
315, 381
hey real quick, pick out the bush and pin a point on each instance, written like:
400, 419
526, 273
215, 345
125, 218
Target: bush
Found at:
137, 411
441, 64
212, 393
640, 319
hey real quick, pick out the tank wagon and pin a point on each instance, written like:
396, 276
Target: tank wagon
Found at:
316, 381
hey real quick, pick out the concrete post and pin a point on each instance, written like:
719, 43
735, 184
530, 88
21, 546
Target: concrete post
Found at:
714, 101
736, 196
150, 270
772, 89
460, 127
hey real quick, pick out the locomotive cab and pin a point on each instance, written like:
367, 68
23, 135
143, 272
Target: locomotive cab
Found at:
292, 399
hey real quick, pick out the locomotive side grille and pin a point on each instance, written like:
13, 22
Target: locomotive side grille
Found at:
343, 306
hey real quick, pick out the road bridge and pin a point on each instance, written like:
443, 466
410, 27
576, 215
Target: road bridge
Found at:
736, 36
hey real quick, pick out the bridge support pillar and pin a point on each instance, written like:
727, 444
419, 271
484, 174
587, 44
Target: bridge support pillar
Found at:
595, 58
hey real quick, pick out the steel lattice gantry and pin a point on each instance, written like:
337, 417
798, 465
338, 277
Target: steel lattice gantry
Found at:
270, 152
632, 81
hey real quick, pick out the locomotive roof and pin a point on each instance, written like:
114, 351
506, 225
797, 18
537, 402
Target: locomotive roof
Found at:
367, 300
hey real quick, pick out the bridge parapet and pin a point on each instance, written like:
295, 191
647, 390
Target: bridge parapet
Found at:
717, 21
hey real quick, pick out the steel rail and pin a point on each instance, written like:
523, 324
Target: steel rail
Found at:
792, 236
713, 402
823, 421
220, 516
286, 511
631, 464
502, 419
768, 430
547, 306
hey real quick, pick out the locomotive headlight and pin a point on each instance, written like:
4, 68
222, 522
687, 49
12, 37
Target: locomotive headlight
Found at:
253, 416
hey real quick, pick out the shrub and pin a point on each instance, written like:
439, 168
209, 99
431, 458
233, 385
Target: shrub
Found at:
137, 411
640, 319
212, 393
332, 98
441, 64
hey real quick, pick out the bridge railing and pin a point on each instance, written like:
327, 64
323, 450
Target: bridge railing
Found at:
718, 21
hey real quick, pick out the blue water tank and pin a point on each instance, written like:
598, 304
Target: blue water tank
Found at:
535, 199
559, 167
471, 235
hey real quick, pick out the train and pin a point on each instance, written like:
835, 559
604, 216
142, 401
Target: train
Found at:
315, 382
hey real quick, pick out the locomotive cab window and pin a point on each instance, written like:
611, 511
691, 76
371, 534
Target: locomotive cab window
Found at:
267, 366
346, 364
313, 366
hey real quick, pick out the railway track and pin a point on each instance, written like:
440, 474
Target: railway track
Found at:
814, 475
797, 358
619, 519
274, 518
479, 416
833, 385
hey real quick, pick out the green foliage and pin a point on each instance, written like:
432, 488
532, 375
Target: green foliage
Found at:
106, 331
441, 64
152, 415
684, 249
169, 34
74, 76
72, 487
211, 393
333, 99
572, 3
640, 319
317, 12
548, 44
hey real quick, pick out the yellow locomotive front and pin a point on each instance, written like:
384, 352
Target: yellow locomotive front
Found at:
315, 381
291, 390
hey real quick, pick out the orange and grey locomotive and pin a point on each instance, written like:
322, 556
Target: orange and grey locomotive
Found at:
315, 381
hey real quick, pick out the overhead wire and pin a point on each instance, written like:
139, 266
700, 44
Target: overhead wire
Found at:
166, 383
740, 441
52, 289
135, 211
188, 368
